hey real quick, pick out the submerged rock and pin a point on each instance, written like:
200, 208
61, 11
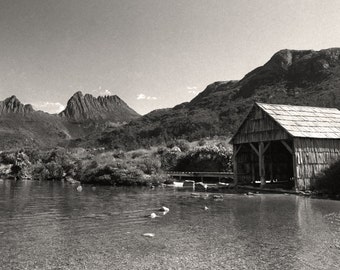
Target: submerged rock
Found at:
164, 209
153, 215
149, 234
200, 186
70, 180
189, 183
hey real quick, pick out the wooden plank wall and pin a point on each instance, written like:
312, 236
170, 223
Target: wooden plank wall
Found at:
312, 156
259, 127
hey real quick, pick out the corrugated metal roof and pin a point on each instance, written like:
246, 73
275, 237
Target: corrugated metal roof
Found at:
304, 121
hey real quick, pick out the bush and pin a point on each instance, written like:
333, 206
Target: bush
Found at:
150, 165
328, 180
7, 158
161, 150
169, 160
48, 171
181, 144
208, 158
138, 153
201, 142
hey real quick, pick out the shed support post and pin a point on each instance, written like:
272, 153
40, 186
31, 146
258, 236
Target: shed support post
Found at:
252, 167
235, 152
292, 151
294, 168
261, 164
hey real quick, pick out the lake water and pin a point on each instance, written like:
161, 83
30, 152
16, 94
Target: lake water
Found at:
49, 225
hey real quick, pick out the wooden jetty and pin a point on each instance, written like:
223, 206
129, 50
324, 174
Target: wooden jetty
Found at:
201, 175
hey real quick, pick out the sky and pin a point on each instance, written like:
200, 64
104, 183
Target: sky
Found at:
151, 53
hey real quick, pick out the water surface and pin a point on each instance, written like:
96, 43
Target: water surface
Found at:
49, 225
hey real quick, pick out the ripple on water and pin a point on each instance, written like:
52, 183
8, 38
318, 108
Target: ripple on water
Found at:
51, 226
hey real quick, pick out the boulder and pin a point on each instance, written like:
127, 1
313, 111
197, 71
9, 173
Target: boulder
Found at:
149, 234
189, 183
164, 209
70, 180
200, 186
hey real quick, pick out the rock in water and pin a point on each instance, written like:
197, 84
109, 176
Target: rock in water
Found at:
79, 188
149, 234
189, 183
153, 215
164, 209
200, 186
70, 180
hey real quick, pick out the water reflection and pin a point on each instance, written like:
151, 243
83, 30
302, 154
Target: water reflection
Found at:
49, 225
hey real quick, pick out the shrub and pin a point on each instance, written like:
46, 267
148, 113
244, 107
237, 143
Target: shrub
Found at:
328, 180
207, 158
49, 171
161, 150
150, 165
201, 142
7, 158
169, 160
138, 153
39, 171
181, 144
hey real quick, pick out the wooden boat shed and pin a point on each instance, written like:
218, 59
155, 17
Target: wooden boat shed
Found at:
285, 144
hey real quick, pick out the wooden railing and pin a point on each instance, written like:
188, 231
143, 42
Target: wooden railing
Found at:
219, 175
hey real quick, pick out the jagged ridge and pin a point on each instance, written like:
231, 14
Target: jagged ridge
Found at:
22, 126
86, 107
13, 105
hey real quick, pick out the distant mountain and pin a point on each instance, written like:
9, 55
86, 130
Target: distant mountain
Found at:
304, 77
86, 107
13, 105
22, 126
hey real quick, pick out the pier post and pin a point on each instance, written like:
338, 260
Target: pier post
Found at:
261, 164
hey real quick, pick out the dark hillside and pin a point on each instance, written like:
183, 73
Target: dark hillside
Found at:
289, 77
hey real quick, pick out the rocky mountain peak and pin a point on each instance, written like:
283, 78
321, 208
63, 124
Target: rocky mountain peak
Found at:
78, 94
13, 105
87, 107
295, 68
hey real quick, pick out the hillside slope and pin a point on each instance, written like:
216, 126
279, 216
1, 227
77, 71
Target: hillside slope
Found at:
290, 77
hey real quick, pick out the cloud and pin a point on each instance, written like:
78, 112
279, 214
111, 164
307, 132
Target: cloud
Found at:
50, 107
102, 92
106, 92
193, 92
143, 96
